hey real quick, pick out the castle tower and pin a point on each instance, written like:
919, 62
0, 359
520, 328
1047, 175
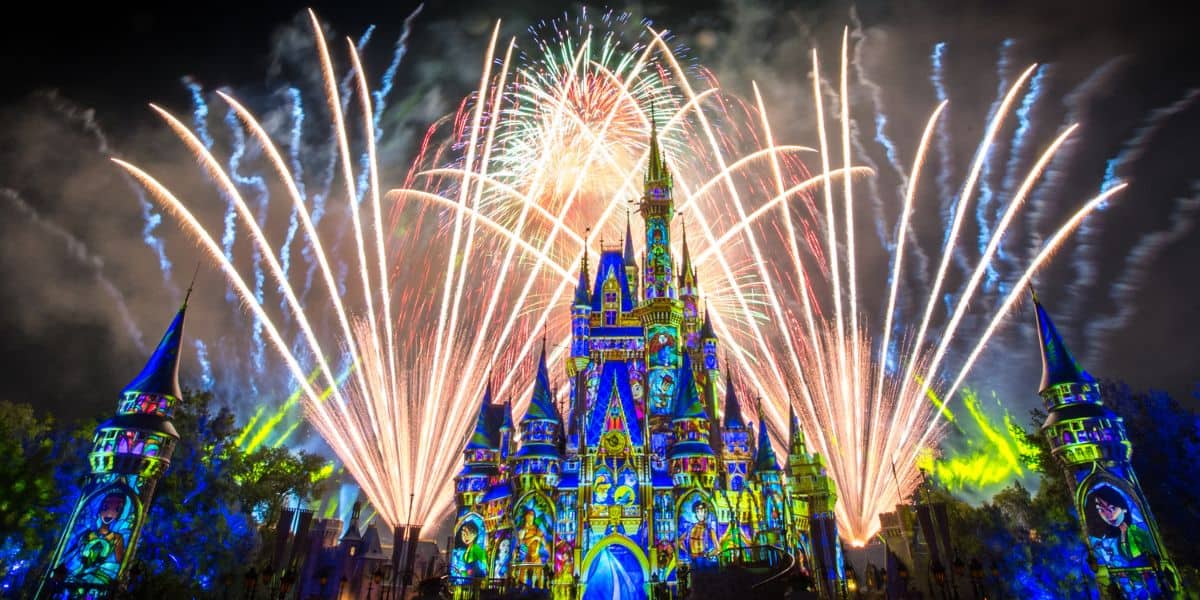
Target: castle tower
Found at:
693, 462
537, 462
813, 499
735, 447
658, 209
768, 478
536, 471
481, 457
1088, 441
130, 452
580, 359
660, 313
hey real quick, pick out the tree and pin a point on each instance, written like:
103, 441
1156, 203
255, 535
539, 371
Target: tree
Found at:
39, 476
201, 525
1034, 539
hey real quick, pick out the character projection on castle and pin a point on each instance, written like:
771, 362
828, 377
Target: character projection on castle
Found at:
129, 453
642, 481
1088, 440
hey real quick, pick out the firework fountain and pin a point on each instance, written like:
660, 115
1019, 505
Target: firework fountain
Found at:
462, 269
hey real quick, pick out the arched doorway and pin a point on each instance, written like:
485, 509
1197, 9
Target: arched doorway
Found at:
615, 569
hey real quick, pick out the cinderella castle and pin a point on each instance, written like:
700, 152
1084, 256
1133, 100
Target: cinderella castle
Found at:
654, 478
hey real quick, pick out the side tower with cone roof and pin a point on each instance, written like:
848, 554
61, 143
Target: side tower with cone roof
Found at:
130, 452
1088, 441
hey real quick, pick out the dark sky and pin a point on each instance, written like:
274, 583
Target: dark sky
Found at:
61, 352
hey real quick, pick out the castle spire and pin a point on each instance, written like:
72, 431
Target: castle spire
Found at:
1058, 365
629, 256
582, 298
764, 458
687, 275
733, 408
160, 376
706, 328
687, 399
541, 405
484, 436
656, 169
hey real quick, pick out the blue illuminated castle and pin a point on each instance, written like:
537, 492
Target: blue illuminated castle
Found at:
653, 475
130, 452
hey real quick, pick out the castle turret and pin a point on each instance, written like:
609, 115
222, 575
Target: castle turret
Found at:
736, 455
580, 359
481, 456
538, 461
130, 452
813, 500
693, 463
768, 478
1088, 441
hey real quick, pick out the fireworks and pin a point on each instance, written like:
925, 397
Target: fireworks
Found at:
461, 270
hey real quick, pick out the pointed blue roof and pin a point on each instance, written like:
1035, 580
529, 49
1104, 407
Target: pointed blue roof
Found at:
541, 405
611, 263
629, 256
581, 288
1058, 365
764, 458
484, 436
614, 387
160, 376
687, 398
733, 408
706, 329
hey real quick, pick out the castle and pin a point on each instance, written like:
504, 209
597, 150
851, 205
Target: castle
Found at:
652, 477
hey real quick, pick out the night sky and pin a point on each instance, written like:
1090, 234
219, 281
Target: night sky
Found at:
65, 349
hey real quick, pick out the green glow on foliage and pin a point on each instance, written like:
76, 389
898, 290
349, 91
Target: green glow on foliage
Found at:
995, 453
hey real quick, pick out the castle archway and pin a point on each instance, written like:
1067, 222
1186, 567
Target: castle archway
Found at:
615, 568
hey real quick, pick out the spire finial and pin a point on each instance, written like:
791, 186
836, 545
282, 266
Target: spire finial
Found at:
191, 285
1032, 292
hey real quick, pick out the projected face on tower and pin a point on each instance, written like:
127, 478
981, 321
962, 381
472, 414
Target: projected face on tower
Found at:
1117, 531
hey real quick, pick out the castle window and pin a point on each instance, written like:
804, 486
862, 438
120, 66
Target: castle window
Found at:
610, 317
